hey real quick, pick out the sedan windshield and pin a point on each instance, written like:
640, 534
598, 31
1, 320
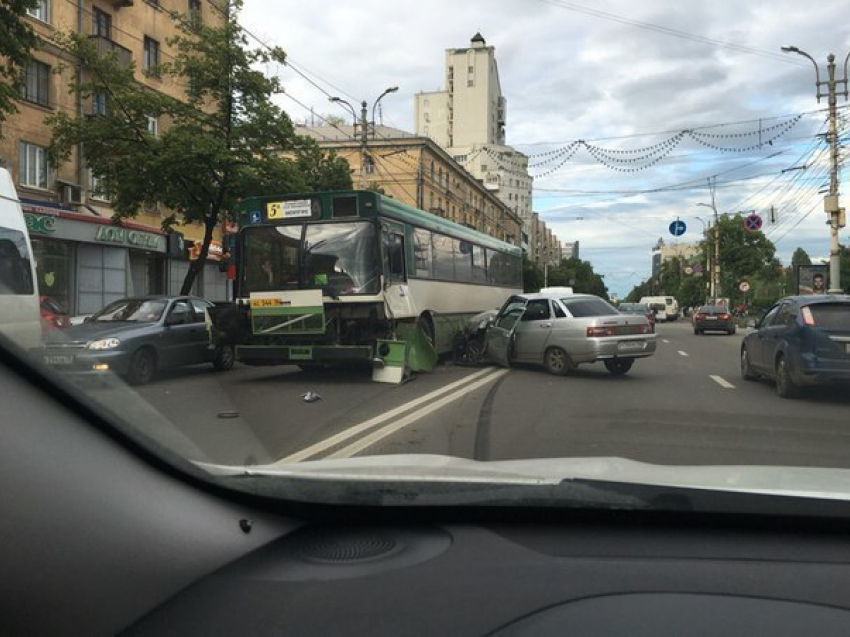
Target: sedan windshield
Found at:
131, 310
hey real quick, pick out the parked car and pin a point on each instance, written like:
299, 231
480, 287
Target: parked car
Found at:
136, 337
561, 331
713, 318
801, 341
640, 309
54, 315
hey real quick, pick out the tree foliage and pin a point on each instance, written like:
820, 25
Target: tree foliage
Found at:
17, 40
224, 140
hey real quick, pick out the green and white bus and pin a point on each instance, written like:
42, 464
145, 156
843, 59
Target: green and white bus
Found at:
329, 277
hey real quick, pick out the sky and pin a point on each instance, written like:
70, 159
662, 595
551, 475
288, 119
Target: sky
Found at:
627, 111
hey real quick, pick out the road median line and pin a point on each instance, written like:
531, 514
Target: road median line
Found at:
366, 425
367, 441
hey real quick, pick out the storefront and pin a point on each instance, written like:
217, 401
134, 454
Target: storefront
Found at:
85, 261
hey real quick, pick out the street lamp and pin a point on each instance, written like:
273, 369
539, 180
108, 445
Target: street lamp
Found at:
391, 89
339, 100
830, 200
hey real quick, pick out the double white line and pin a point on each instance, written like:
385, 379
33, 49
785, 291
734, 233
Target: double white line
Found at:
433, 402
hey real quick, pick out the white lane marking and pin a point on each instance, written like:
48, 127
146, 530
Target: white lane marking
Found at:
367, 441
722, 382
681, 353
664, 340
334, 440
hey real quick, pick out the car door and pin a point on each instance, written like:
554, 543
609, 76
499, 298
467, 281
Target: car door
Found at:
178, 342
200, 337
500, 334
533, 331
763, 338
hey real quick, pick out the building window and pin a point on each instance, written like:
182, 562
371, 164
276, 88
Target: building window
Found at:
36, 83
153, 126
33, 166
98, 104
41, 11
470, 83
101, 24
195, 11
97, 190
150, 61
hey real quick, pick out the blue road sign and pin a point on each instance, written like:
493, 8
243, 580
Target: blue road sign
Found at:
256, 216
677, 228
752, 223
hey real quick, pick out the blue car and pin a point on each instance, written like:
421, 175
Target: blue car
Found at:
136, 337
801, 341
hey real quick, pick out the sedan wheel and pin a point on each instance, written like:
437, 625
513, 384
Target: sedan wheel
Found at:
142, 367
747, 372
557, 361
785, 387
224, 358
618, 367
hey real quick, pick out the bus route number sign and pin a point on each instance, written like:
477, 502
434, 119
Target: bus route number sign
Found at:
288, 209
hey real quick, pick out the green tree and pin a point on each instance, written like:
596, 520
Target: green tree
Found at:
743, 254
226, 140
17, 40
578, 275
532, 276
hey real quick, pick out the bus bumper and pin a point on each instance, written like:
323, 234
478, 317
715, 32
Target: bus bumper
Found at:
294, 354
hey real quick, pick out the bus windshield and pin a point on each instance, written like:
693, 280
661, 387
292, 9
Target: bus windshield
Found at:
339, 258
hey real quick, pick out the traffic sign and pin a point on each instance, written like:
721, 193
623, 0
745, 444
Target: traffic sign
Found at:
752, 223
744, 286
677, 228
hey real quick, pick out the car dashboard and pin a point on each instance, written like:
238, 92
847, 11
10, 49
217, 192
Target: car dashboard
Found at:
101, 537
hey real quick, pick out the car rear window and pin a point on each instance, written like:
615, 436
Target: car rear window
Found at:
588, 307
831, 316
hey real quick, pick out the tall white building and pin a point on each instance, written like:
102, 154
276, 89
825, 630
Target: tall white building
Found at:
468, 119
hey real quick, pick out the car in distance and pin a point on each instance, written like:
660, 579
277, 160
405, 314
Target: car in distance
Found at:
561, 331
640, 309
713, 318
136, 337
801, 341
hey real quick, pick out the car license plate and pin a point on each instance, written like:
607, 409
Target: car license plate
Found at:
631, 345
710, 318
58, 359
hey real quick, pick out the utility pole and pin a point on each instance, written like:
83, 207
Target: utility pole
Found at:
715, 270
837, 218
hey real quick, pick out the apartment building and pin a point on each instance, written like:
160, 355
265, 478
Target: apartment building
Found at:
469, 118
83, 259
417, 171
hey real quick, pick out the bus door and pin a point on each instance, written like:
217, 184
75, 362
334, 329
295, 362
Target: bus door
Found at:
396, 291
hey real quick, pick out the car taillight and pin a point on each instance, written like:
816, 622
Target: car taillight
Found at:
808, 317
700, 316
645, 329
724, 316
595, 331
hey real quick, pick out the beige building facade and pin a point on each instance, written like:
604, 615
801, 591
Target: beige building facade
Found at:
83, 260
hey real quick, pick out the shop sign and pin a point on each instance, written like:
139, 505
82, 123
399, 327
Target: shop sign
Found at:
40, 224
135, 238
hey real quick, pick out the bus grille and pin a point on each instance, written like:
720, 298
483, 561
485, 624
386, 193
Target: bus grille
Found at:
288, 324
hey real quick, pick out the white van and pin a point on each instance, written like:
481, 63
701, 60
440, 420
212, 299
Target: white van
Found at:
20, 316
667, 308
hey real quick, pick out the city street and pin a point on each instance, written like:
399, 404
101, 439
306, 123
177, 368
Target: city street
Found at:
685, 405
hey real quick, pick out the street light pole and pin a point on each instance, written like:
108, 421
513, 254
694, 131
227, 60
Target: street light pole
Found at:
364, 128
705, 227
715, 272
391, 89
830, 201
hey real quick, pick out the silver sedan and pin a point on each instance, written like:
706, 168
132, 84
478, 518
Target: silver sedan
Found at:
561, 331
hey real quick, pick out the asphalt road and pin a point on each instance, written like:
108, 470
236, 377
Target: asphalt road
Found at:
685, 405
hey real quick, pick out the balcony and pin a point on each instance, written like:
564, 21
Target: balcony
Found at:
105, 47
118, 4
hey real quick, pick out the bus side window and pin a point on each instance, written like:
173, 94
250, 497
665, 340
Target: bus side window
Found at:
394, 256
